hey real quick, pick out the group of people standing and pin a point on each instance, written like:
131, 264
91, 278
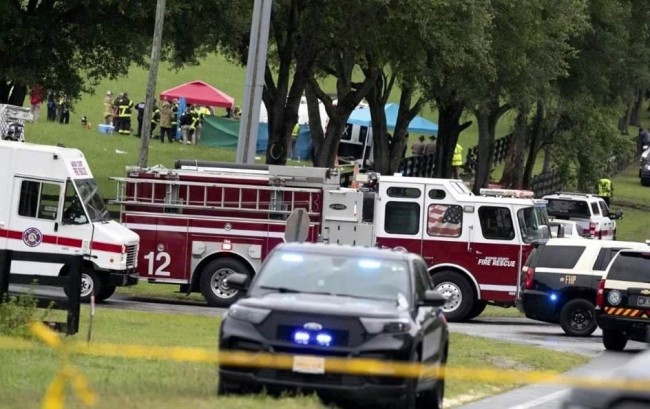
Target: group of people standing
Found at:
420, 148
58, 104
118, 112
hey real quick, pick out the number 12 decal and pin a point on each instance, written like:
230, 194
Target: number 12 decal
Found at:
165, 260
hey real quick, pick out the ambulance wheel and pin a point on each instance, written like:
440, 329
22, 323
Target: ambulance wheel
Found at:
459, 295
90, 283
107, 291
214, 285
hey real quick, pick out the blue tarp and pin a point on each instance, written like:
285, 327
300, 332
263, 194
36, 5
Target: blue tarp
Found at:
302, 149
417, 125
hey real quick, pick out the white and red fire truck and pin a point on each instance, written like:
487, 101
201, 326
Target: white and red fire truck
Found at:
52, 204
197, 226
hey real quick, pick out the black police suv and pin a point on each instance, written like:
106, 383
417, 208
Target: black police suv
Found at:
623, 299
314, 301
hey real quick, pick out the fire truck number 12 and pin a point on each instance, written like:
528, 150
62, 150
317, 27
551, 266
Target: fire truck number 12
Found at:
160, 271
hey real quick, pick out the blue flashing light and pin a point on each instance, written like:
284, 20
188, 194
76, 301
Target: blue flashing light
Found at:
553, 297
366, 263
301, 337
324, 339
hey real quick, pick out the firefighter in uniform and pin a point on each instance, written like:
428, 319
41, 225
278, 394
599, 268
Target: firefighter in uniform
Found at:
155, 120
605, 190
124, 107
174, 123
457, 160
196, 121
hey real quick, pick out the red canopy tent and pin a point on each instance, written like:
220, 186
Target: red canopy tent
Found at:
199, 93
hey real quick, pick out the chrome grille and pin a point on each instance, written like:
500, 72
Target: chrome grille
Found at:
131, 255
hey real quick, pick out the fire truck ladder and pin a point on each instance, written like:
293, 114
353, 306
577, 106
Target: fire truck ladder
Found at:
196, 195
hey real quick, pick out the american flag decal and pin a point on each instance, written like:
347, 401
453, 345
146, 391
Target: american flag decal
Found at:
445, 220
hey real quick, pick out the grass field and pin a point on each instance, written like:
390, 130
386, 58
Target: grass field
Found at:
153, 384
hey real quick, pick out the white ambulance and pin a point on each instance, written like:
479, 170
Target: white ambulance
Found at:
52, 204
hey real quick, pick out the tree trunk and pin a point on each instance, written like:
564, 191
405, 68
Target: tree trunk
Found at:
400, 137
487, 120
635, 117
449, 128
535, 141
12, 93
513, 173
380, 140
624, 121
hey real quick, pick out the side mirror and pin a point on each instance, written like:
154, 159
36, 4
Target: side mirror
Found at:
618, 214
237, 281
433, 298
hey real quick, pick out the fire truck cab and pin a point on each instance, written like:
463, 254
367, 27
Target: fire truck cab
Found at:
200, 224
52, 205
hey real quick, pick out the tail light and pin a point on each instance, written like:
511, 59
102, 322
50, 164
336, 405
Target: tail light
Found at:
600, 294
592, 229
529, 278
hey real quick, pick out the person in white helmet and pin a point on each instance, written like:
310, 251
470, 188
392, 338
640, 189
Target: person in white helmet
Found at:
108, 108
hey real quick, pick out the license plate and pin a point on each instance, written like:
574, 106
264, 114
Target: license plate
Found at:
309, 364
643, 301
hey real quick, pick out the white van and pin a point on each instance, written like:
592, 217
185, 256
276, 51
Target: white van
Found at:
52, 205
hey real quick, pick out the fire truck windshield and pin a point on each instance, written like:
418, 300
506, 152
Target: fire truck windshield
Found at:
533, 223
92, 200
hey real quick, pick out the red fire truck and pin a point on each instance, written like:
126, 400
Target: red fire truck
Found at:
199, 223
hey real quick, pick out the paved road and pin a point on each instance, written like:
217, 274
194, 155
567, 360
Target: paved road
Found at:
525, 331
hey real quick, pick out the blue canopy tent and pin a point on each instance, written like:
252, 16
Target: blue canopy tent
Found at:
418, 124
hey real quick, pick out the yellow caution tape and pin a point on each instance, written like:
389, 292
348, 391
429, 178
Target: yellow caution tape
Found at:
359, 366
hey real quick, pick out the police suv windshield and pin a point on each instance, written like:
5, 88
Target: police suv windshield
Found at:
92, 200
332, 274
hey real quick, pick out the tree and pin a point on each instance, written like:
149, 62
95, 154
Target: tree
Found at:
530, 49
458, 66
69, 45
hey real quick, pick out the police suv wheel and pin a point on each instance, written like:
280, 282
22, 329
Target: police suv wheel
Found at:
578, 318
214, 285
459, 295
614, 340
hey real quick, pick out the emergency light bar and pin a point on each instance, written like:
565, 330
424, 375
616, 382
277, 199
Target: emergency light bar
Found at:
507, 193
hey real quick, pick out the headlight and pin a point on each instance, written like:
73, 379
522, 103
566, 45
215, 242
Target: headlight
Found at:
614, 297
386, 325
248, 314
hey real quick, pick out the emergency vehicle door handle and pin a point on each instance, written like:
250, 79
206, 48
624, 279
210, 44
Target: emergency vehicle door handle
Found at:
479, 252
56, 227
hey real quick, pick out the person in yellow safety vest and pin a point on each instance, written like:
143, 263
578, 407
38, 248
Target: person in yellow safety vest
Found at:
124, 108
605, 190
196, 120
292, 144
457, 160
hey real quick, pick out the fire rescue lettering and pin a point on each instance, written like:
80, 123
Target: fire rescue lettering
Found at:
78, 168
496, 262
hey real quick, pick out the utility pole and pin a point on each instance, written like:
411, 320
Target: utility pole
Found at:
257, 48
151, 83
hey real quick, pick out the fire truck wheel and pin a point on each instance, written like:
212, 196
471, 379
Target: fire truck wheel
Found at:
477, 309
459, 294
578, 318
215, 291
